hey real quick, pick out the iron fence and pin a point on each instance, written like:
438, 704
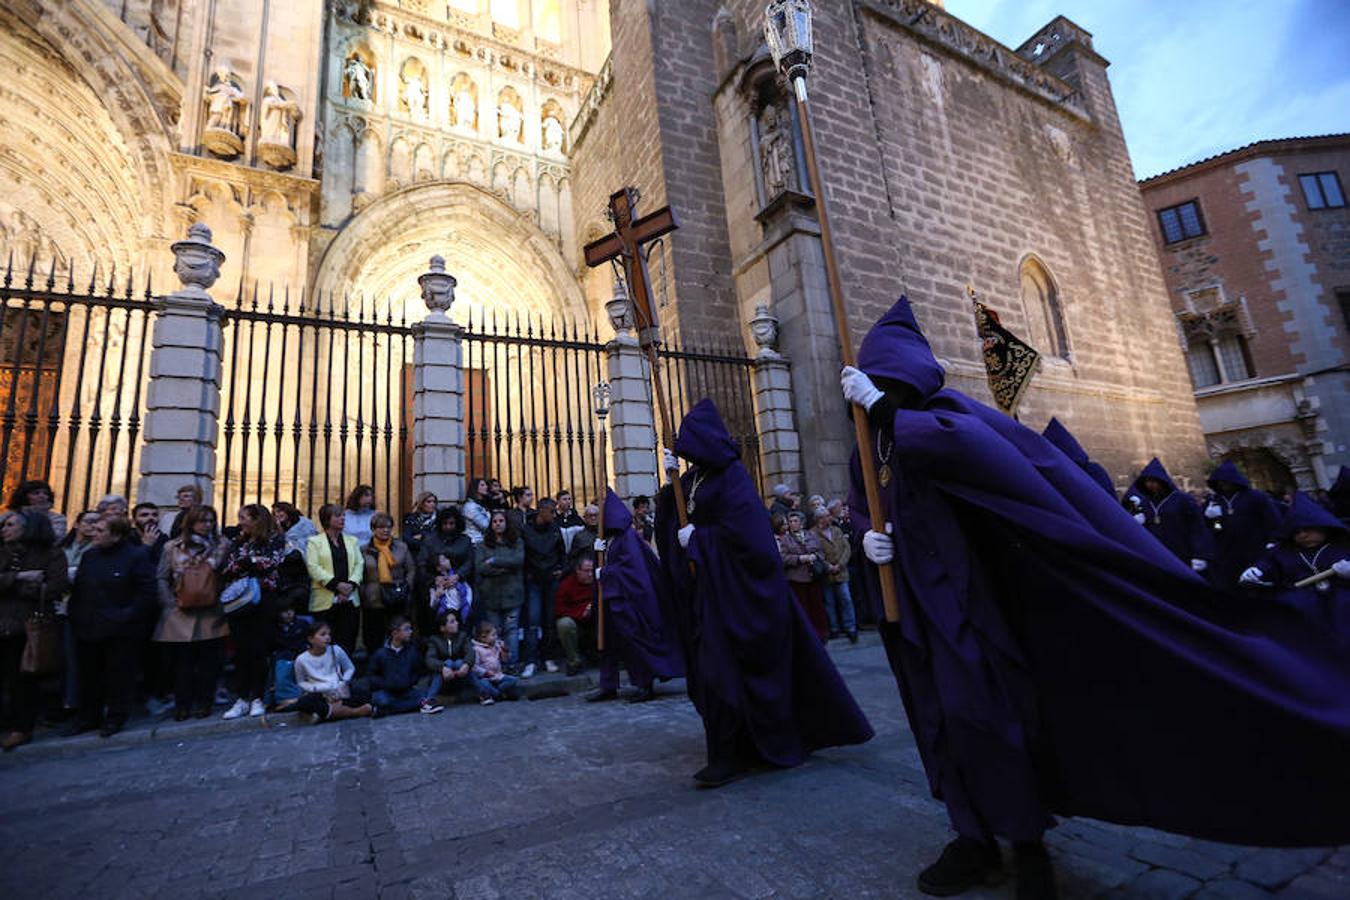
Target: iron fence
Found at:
316, 395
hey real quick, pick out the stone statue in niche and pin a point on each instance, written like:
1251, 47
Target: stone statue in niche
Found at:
415, 94
509, 121
465, 109
553, 134
358, 77
775, 151
276, 143
225, 103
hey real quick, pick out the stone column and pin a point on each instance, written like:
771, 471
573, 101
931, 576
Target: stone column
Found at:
438, 392
633, 445
780, 451
183, 399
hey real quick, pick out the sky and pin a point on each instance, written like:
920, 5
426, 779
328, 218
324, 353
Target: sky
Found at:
1193, 78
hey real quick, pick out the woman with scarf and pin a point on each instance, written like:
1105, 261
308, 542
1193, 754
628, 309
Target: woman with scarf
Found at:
387, 580
32, 574
263, 575
195, 635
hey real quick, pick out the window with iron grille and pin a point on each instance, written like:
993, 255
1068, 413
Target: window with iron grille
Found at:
1181, 222
1322, 190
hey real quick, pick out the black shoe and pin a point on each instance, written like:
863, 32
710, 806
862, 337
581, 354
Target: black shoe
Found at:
574, 668
202, 713
714, 775
79, 726
641, 695
181, 713
965, 863
599, 695
853, 637
109, 729
1035, 875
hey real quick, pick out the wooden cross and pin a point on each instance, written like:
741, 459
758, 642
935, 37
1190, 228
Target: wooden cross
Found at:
630, 235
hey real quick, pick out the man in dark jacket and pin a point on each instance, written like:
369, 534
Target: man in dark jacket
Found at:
395, 670
111, 606
1242, 519
545, 562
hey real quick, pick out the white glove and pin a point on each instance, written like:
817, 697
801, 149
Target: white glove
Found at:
878, 547
1253, 575
858, 388
599, 546
1140, 518
1341, 568
1213, 511
669, 461
1199, 565
685, 534
598, 570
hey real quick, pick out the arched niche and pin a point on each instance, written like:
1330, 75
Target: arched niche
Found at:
1044, 309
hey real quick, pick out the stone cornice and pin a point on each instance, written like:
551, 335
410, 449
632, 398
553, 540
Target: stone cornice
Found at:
943, 30
266, 179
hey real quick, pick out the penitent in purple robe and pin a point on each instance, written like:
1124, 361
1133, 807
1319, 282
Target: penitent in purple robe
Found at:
759, 677
1325, 605
1247, 520
637, 600
1062, 438
1172, 517
1054, 658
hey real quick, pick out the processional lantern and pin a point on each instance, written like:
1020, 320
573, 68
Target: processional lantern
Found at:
620, 308
787, 29
600, 395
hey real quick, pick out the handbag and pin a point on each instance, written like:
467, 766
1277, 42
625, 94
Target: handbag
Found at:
42, 650
198, 584
241, 594
395, 596
819, 568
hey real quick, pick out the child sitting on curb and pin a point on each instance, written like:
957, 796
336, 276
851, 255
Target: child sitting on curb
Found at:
324, 673
487, 676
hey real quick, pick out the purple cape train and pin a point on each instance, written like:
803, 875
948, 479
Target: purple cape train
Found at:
637, 601
1062, 438
1054, 658
757, 673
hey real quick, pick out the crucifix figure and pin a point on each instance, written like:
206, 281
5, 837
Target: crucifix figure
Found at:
631, 235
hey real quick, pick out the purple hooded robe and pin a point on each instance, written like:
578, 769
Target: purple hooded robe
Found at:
1325, 605
1248, 520
1053, 657
1173, 518
757, 674
637, 602
1062, 438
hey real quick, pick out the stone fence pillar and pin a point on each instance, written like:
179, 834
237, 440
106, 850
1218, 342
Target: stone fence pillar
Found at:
633, 444
438, 392
779, 444
183, 399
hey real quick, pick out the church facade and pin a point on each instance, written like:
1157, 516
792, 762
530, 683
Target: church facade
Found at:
334, 147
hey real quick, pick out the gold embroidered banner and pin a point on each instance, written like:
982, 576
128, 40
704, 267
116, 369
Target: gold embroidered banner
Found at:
1010, 362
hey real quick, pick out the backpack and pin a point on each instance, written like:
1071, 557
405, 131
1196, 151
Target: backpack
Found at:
198, 584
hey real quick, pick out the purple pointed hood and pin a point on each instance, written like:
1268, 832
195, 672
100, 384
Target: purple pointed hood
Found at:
1228, 472
617, 516
704, 439
896, 348
1062, 438
1305, 512
1154, 469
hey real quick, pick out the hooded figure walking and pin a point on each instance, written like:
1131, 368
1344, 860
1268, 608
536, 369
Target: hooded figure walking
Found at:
638, 627
1312, 542
1170, 515
1055, 659
1243, 520
766, 689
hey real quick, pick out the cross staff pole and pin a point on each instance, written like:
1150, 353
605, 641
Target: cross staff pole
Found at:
1316, 579
861, 427
626, 243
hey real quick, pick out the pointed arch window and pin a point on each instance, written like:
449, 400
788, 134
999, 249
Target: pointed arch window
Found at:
1045, 313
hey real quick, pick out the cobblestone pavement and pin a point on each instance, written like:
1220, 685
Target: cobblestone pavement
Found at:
551, 798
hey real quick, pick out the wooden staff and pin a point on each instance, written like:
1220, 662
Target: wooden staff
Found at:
601, 412
1316, 579
862, 429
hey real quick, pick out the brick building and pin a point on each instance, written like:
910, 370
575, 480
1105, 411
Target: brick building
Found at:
1255, 247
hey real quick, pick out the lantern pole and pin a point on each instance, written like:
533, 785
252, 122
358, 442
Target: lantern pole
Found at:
788, 32
600, 394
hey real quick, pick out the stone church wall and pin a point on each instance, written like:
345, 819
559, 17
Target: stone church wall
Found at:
949, 159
